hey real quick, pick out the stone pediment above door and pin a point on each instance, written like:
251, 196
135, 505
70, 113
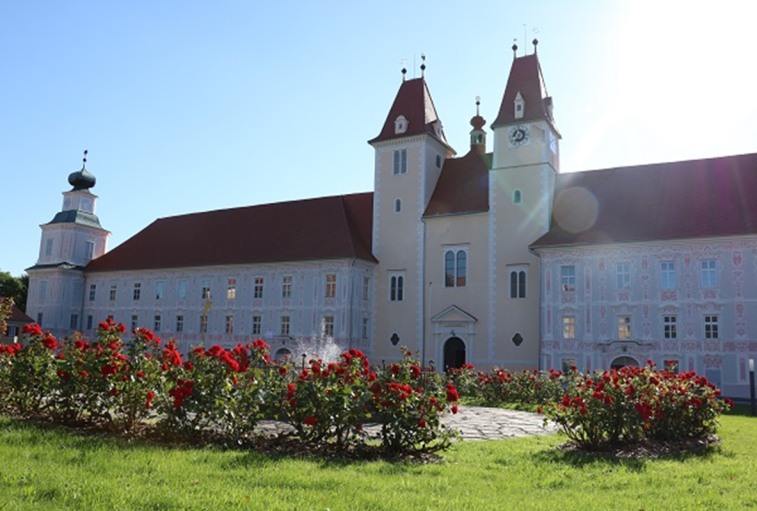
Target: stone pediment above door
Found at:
454, 314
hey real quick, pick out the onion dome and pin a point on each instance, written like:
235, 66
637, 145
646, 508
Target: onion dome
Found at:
82, 179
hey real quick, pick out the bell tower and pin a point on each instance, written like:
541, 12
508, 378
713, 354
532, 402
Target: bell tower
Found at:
521, 189
410, 151
69, 242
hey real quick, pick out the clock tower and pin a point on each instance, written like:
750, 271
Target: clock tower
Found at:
69, 242
521, 187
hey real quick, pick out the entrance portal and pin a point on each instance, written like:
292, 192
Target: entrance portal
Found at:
623, 362
454, 353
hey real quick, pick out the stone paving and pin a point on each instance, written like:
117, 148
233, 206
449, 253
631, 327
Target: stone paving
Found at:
481, 423
473, 423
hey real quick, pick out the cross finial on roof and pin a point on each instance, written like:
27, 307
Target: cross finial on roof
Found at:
536, 43
404, 68
515, 49
423, 65
84, 160
478, 102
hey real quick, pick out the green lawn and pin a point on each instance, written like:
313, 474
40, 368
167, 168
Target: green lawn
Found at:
43, 468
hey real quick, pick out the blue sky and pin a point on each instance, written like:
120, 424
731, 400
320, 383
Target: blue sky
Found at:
189, 106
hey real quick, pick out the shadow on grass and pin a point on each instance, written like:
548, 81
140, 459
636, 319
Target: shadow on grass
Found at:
741, 410
634, 458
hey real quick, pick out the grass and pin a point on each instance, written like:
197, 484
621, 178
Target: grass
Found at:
49, 468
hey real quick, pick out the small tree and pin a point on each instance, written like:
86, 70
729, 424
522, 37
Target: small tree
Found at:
6, 306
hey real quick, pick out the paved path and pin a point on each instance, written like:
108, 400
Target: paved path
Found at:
481, 423
473, 423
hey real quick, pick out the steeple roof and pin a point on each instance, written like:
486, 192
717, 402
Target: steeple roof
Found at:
414, 103
526, 78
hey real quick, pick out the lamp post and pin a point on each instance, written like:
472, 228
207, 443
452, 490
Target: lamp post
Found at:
751, 387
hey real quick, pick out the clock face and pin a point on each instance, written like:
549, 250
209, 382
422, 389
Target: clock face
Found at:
518, 135
86, 205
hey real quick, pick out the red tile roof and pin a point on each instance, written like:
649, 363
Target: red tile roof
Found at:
526, 78
664, 201
325, 228
18, 316
413, 101
463, 186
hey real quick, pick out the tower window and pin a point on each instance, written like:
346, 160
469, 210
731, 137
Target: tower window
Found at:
89, 250
455, 268
438, 161
397, 205
517, 283
396, 287
517, 197
49, 247
400, 161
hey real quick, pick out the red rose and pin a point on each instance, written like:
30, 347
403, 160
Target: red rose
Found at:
454, 409
310, 421
422, 423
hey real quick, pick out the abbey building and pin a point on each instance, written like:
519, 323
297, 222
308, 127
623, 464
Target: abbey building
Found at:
490, 256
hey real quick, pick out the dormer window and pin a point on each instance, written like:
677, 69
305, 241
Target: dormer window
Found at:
400, 125
520, 106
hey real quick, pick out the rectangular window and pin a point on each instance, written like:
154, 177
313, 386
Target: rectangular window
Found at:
92, 292
134, 321
231, 289
157, 323
622, 275
90, 322
667, 275
49, 247
711, 330
455, 268
624, 328
113, 289
285, 324
328, 326
12, 331
137, 291
181, 291
89, 250
256, 325
396, 288
160, 288
74, 324
229, 324
400, 161
286, 287
366, 288
257, 289
569, 327
203, 324
365, 328
39, 318
709, 273
205, 292
179, 323
330, 285
670, 330
568, 278
517, 283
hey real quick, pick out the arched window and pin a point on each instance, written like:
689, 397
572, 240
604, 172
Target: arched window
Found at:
517, 197
455, 268
517, 283
396, 288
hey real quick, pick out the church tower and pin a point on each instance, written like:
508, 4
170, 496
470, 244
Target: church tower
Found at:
69, 242
521, 189
409, 153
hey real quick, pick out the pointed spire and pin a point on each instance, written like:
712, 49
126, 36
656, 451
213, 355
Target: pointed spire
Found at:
477, 134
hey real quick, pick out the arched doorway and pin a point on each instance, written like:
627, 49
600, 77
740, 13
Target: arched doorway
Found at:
623, 362
282, 354
454, 353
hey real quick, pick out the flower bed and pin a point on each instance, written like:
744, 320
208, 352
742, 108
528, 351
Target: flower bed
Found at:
123, 385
